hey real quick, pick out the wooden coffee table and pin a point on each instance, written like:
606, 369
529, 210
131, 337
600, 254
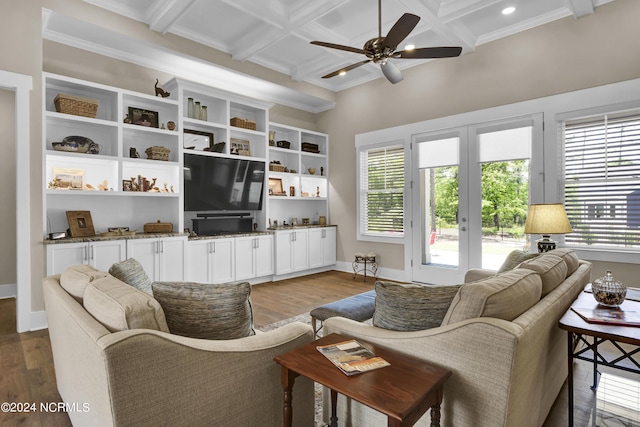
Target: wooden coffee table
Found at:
590, 335
403, 391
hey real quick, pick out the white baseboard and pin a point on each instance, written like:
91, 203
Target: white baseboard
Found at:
38, 320
383, 273
8, 291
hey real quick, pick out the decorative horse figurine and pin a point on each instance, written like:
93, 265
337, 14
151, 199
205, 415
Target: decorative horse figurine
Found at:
160, 91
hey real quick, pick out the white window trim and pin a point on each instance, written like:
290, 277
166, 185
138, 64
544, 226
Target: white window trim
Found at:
362, 146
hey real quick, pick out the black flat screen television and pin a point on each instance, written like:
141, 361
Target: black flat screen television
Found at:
222, 183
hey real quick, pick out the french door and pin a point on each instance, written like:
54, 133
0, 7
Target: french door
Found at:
470, 189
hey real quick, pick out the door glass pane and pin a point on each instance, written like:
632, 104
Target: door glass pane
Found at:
440, 215
505, 196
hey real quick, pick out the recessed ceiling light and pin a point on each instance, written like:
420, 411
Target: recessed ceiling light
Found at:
508, 10
410, 47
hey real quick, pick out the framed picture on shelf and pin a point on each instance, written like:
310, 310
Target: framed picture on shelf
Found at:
141, 117
127, 185
240, 147
80, 224
69, 179
275, 187
197, 140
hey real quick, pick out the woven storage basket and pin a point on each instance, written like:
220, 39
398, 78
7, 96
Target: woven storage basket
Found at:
75, 105
157, 153
243, 123
276, 168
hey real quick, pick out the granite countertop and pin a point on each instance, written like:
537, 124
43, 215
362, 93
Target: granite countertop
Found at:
290, 227
99, 238
226, 236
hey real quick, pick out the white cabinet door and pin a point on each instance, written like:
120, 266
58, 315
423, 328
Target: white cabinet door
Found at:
244, 257
322, 246
300, 250
264, 255
171, 264
102, 255
145, 251
198, 261
291, 251
222, 260
63, 255
284, 257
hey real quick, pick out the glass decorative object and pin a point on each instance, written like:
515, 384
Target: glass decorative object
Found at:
203, 113
608, 291
196, 110
190, 108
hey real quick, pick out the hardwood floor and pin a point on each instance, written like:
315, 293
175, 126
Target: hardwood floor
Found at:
26, 362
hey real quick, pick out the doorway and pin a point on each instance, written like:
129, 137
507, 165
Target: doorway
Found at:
473, 187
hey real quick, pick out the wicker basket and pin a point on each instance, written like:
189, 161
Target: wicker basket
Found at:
273, 167
157, 153
75, 105
243, 123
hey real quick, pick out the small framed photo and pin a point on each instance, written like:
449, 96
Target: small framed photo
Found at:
80, 224
275, 187
197, 140
241, 147
127, 185
141, 117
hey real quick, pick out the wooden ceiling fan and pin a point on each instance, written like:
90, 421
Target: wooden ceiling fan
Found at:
380, 49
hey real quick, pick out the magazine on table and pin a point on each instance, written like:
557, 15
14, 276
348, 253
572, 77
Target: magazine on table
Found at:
609, 316
351, 357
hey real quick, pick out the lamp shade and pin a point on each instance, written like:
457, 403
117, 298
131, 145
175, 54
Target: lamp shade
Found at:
547, 219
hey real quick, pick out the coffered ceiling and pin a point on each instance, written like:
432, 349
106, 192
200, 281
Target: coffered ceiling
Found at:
276, 33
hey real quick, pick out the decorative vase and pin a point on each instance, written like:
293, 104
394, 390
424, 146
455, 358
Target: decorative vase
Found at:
203, 113
190, 108
608, 291
272, 138
196, 110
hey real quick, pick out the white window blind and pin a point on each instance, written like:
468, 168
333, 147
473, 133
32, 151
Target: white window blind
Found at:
381, 195
602, 180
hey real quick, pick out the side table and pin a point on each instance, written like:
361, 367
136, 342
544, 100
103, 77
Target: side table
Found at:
363, 263
582, 332
403, 391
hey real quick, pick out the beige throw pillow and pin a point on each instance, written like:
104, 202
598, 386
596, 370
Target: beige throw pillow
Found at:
514, 258
569, 257
120, 307
410, 307
75, 279
551, 268
504, 296
208, 311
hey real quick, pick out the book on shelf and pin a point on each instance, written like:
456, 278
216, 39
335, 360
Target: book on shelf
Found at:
351, 357
609, 316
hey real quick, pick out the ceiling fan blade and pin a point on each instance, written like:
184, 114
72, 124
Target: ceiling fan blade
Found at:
339, 47
429, 52
401, 30
391, 72
345, 69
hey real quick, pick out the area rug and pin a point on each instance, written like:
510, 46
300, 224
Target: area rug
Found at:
304, 318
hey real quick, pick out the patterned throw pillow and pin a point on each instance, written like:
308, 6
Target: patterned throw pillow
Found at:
514, 259
130, 271
410, 307
207, 311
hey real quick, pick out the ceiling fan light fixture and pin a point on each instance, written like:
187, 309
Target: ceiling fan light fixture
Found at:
410, 47
342, 73
508, 10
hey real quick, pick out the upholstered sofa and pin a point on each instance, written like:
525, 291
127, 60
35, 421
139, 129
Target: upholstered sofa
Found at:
499, 336
128, 370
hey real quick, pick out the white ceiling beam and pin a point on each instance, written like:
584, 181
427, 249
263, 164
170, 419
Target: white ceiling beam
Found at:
580, 7
165, 13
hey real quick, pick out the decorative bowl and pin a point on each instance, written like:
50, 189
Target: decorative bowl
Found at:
312, 171
608, 291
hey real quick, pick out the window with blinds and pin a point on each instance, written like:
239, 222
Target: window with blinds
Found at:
602, 180
381, 195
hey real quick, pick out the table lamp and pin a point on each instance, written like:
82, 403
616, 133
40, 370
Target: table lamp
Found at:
547, 219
